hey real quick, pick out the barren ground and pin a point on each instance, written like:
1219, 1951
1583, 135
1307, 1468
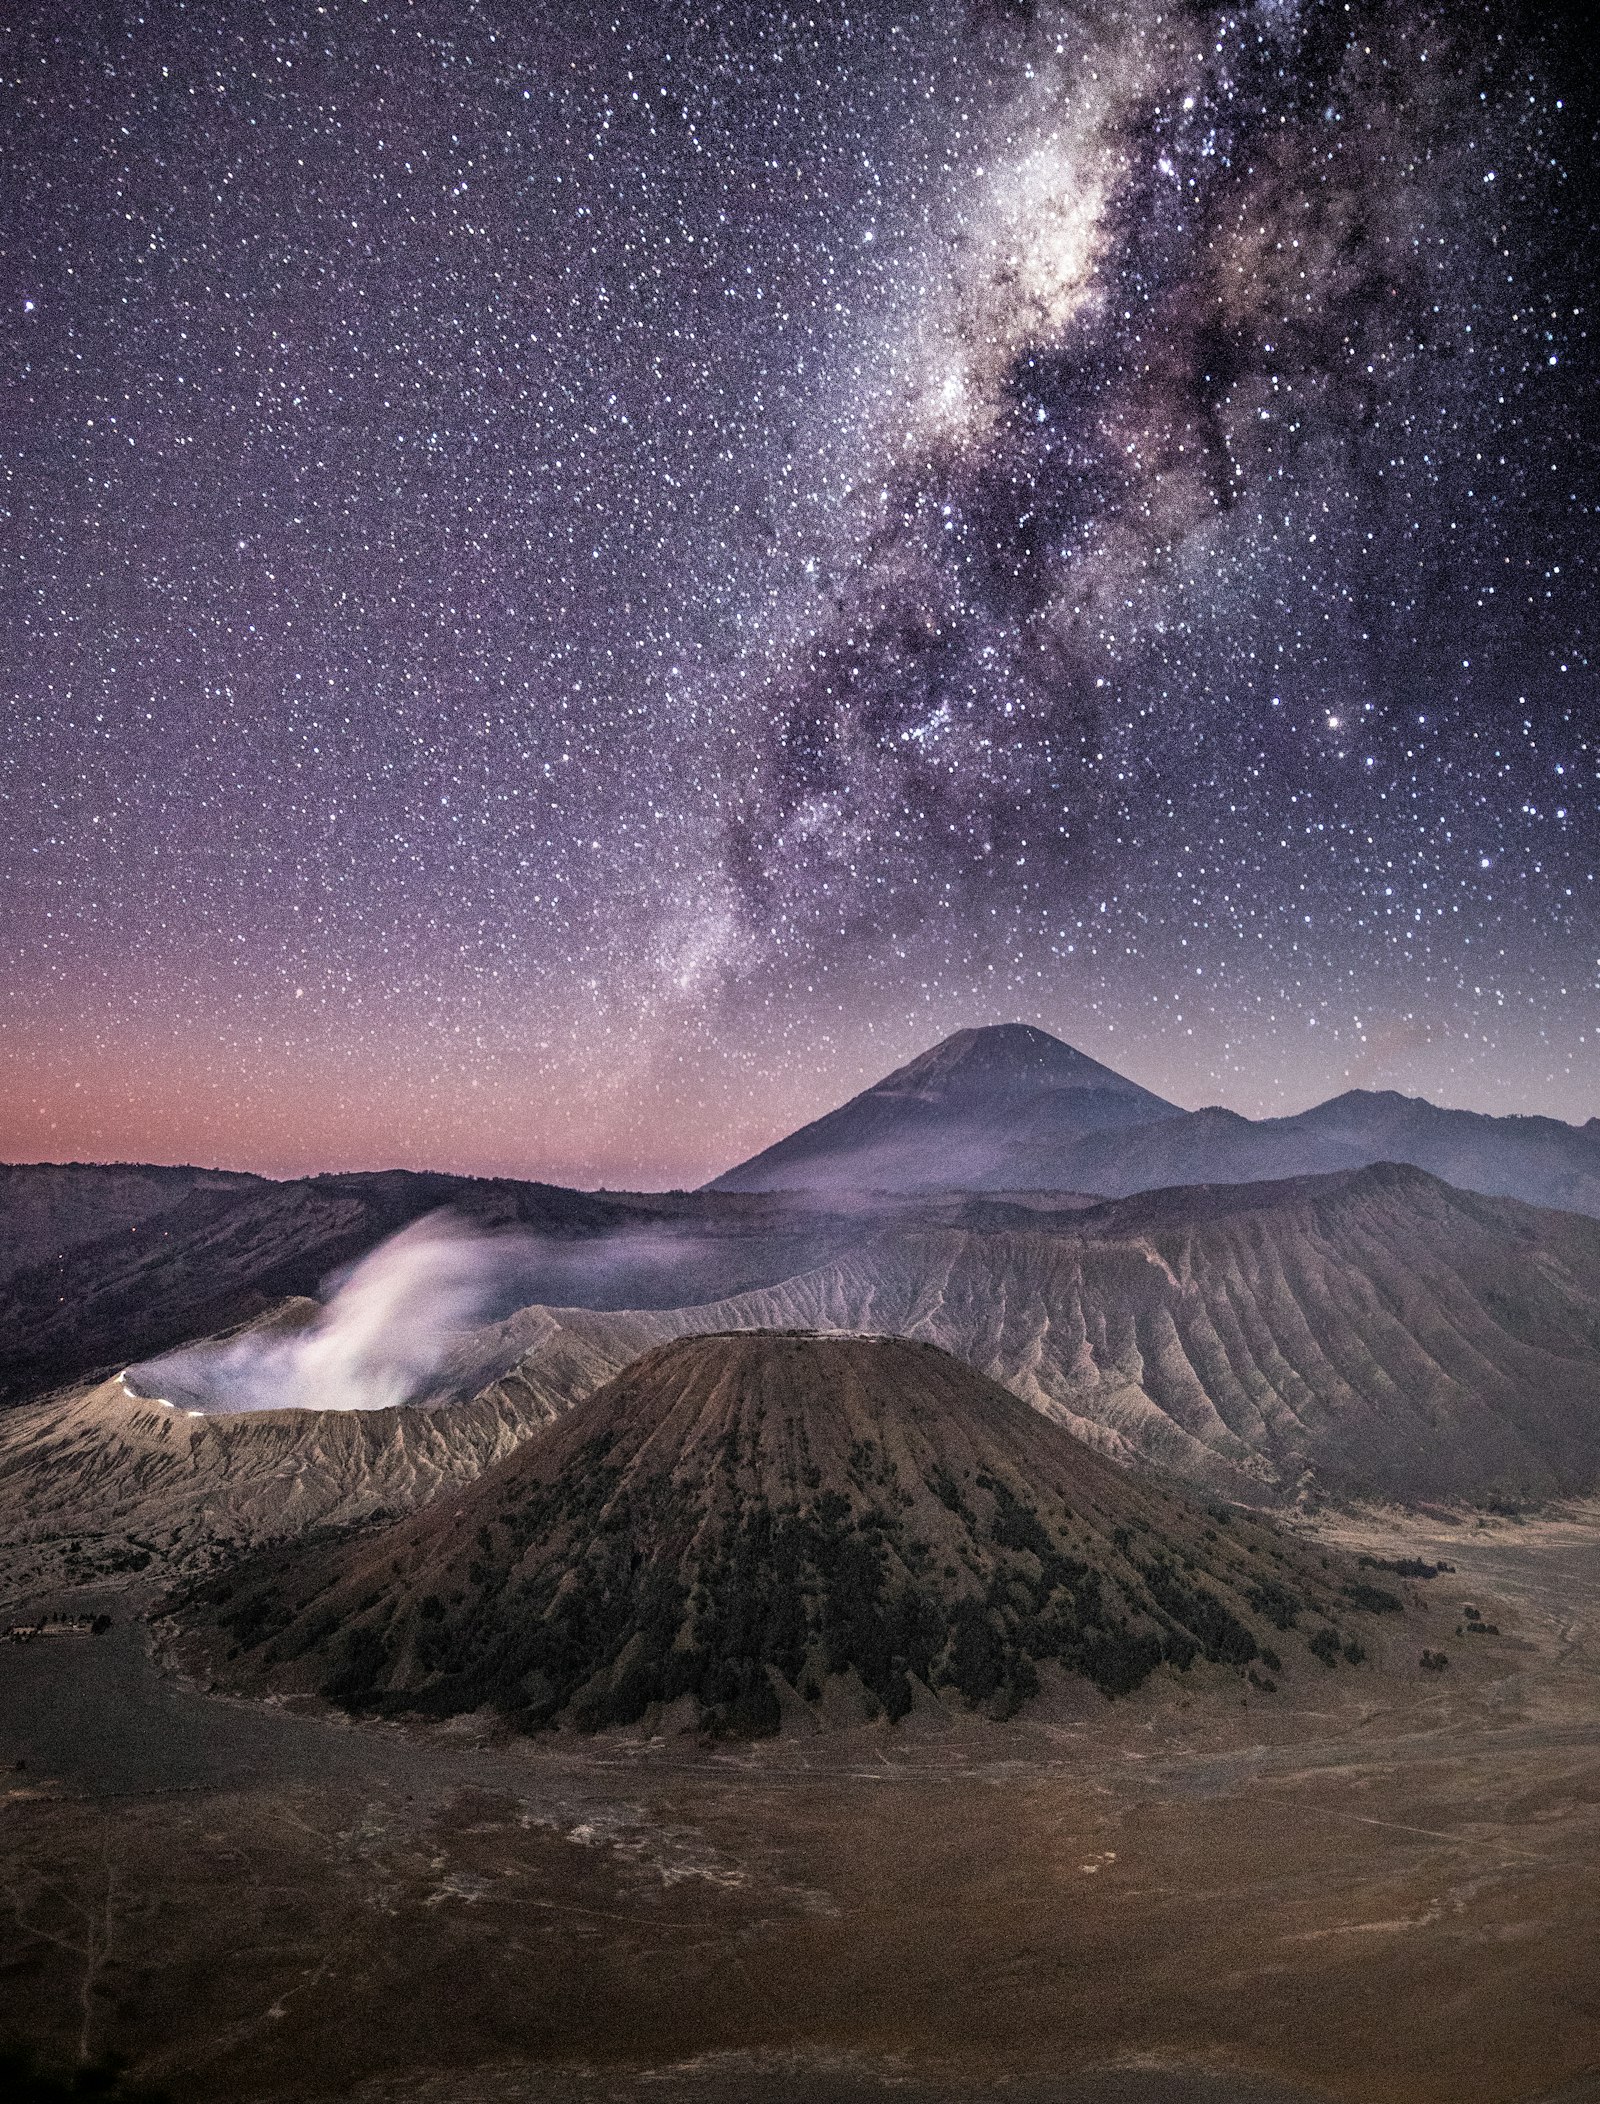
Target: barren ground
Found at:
1376, 1884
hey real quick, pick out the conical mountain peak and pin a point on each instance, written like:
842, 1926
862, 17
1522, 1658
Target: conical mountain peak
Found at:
1001, 1056
994, 1108
743, 1522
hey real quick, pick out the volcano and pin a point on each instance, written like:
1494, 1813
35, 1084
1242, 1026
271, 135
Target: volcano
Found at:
992, 1109
1011, 1108
1373, 1334
740, 1524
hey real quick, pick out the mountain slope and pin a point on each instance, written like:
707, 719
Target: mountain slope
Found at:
48, 1208
988, 1109
1538, 1160
739, 1519
1373, 1332
1013, 1109
111, 1266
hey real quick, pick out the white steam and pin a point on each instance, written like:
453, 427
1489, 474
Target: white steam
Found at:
376, 1343
398, 1324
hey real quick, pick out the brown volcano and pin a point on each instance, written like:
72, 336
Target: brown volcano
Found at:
741, 1519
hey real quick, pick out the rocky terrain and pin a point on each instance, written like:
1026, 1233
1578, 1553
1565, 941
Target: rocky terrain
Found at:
740, 1525
103, 1267
1370, 1334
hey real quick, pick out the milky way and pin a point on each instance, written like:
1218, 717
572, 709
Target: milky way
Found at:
576, 588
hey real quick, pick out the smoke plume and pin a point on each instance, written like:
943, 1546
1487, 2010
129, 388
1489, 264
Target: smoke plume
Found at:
392, 1322
375, 1344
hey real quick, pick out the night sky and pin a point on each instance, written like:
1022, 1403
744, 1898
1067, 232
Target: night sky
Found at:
580, 583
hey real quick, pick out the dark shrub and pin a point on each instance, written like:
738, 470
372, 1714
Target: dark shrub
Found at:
1324, 1644
1403, 1566
364, 1657
1373, 1600
748, 1708
1274, 1601
976, 1664
1222, 1636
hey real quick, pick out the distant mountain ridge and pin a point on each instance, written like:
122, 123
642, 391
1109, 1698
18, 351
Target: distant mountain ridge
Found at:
1010, 1108
104, 1266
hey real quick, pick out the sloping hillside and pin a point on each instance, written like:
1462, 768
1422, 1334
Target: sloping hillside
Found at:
48, 1208
1375, 1332
736, 1520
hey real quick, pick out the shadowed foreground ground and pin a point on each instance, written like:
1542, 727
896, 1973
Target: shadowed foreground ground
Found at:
1393, 1897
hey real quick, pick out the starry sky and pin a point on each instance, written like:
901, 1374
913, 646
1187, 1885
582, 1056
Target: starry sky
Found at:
579, 583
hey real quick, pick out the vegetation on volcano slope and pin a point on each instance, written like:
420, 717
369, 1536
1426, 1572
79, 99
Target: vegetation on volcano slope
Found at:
892, 1550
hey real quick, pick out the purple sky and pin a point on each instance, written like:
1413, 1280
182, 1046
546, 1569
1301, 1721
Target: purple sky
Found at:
577, 589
